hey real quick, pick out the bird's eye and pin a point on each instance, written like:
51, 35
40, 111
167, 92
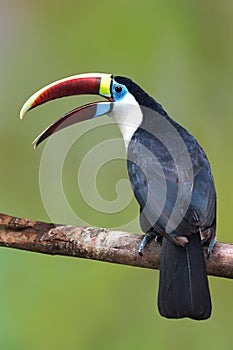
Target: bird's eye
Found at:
118, 89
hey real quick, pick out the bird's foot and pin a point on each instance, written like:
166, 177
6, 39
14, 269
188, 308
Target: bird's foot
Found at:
148, 237
211, 246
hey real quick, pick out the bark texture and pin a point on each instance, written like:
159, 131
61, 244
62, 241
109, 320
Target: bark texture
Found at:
98, 244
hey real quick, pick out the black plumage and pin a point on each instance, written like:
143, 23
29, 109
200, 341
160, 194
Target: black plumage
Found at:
170, 176
176, 202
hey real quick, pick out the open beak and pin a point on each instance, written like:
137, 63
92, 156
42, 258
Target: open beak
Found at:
91, 83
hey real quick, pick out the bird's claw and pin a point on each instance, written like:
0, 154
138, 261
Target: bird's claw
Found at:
148, 237
211, 246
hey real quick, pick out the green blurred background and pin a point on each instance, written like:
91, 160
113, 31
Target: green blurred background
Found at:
182, 53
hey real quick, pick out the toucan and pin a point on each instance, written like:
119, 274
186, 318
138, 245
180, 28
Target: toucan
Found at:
170, 176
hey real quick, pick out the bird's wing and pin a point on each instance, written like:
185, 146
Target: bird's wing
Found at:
166, 195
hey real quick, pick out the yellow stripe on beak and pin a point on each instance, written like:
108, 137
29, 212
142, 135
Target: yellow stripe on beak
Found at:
105, 85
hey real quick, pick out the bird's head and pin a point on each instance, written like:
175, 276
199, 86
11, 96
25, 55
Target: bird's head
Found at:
123, 105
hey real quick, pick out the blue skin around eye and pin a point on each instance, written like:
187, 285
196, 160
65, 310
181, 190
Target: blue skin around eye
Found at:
117, 96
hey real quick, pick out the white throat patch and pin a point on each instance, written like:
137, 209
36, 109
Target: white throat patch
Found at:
128, 116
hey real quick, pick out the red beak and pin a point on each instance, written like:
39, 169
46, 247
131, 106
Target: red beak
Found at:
91, 83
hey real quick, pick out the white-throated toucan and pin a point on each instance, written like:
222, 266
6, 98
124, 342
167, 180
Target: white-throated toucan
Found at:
169, 174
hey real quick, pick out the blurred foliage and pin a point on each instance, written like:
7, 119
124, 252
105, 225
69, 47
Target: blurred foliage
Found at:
182, 53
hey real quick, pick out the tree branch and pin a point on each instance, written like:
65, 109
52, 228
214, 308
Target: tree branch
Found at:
98, 244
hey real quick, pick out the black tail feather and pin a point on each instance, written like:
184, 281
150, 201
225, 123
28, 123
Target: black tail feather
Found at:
183, 285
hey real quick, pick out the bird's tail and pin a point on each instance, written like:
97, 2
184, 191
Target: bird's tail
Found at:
183, 285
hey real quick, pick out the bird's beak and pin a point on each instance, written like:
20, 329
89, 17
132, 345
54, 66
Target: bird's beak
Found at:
91, 83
